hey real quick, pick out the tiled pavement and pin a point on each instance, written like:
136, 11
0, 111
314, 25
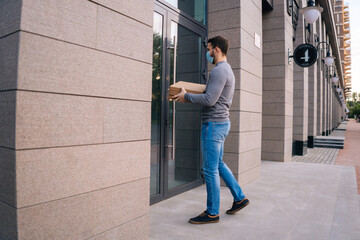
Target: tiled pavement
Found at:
323, 155
318, 155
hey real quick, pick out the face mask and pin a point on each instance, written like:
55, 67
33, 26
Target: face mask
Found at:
209, 58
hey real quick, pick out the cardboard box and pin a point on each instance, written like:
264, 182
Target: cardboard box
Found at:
194, 88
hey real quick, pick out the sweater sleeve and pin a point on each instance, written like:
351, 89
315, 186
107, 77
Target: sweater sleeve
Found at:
213, 91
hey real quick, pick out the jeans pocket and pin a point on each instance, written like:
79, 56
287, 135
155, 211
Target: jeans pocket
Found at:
220, 131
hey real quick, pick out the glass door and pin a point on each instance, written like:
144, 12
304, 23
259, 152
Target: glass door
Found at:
178, 55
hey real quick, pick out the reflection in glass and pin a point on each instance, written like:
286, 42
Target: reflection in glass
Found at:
195, 8
156, 105
184, 163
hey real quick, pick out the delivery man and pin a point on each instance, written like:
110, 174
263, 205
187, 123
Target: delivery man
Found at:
216, 102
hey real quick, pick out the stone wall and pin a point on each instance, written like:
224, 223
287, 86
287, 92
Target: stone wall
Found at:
78, 93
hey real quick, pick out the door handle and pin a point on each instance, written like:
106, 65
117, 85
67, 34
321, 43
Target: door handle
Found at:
173, 102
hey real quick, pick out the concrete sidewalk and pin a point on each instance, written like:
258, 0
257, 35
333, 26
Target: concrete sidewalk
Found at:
289, 201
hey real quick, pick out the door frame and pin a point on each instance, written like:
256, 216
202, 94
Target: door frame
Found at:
170, 15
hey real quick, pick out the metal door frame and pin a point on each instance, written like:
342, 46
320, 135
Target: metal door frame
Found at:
170, 15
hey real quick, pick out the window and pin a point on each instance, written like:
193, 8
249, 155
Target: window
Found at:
195, 8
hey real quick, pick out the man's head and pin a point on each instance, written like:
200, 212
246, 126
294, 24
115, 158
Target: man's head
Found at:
220, 43
217, 49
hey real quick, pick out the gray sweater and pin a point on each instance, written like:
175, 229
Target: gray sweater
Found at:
219, 91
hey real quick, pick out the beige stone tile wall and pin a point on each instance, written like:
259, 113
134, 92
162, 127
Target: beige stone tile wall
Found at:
9, 46
76, 70
86, 215
7, 119
8, 224
7, 177
75, 119
232, 20
10, 14
277, 101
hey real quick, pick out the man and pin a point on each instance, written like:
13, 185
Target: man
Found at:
215, 103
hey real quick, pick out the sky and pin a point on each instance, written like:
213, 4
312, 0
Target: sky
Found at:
354, 8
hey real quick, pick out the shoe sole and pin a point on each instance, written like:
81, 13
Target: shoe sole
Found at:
215, 221
235, 211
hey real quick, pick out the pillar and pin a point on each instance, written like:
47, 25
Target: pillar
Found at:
313, 84
320, 90
240, 22
277, 124
301, 99
76, 162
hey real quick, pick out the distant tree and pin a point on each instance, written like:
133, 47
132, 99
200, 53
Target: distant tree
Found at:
355, 96
349, 103
357, 110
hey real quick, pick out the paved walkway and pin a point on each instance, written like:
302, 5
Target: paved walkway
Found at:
301, 199
350, 155
318, 155
288, 201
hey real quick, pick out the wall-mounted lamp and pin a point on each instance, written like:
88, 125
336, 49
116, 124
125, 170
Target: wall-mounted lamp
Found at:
335, 79
328, 60
311, 12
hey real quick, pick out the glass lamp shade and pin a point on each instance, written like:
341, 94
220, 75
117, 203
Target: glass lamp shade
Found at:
335, 80
311, 13
329, 60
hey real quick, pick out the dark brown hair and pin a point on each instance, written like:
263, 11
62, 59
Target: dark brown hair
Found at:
219, 42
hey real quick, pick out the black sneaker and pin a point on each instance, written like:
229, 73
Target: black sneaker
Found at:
237, 206
204, 217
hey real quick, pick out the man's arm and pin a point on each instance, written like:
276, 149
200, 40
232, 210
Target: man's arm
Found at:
214, 89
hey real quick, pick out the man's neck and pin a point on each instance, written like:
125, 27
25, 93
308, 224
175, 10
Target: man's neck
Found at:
221, 59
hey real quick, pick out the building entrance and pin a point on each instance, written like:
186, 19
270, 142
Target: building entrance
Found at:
179, 47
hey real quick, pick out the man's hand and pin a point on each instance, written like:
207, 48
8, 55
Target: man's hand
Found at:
180, 97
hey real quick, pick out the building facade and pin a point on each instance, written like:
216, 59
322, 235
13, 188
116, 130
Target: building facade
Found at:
88, 137
342, 19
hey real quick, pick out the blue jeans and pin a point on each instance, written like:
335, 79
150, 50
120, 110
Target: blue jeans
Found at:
213, 136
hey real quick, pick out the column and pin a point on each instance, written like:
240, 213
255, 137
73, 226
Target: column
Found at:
240, 22
320, 92
331, 94
325, 82
277, 124
313, 100
327, 100
301, 99
79, 75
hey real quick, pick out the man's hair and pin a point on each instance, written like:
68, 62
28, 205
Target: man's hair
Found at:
219, 42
